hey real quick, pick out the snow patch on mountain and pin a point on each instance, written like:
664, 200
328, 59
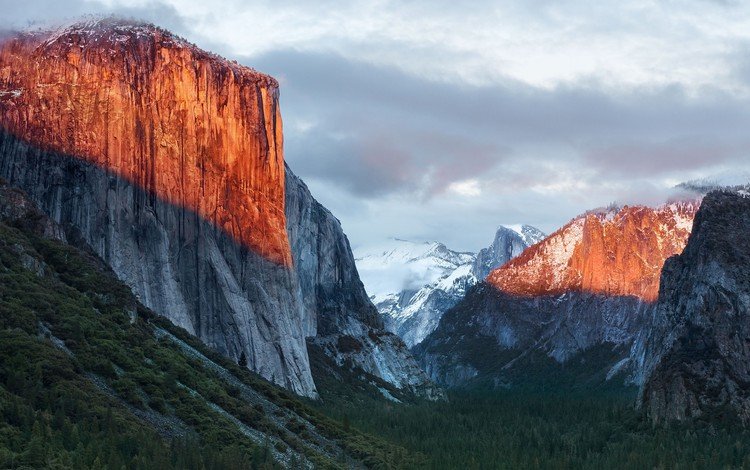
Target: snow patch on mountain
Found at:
530, 235
402, 265
412, 284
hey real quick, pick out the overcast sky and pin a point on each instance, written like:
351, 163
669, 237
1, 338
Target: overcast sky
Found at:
436, 120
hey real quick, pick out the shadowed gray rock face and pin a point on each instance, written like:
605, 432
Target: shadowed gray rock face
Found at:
338, 316
694, 357
177, 264
489, 335
234, 300
332, 292
428, 306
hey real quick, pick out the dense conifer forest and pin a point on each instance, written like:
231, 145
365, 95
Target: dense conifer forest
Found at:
89, 378
539, 427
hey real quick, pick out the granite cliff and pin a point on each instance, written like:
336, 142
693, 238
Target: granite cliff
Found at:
339, 317
168, 162
185, 126
615, 251
507, 244
693, 357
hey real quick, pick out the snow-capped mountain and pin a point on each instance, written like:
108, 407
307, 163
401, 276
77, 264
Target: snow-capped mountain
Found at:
413, 284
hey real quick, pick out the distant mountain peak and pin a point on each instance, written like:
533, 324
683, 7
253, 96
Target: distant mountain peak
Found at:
531, 235
581, 294
414, 283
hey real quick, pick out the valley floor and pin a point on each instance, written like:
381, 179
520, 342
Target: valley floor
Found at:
542, 429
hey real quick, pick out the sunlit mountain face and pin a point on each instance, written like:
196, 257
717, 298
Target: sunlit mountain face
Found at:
614, 251
167, 161
185, 126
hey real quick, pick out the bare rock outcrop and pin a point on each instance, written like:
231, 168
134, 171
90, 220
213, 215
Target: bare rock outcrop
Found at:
694, 356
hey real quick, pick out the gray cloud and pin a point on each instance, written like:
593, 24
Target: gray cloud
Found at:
648, 159
386, 129
540, 156
20, 14
373, 161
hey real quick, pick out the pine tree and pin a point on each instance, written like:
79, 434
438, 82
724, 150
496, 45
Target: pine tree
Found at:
242, 362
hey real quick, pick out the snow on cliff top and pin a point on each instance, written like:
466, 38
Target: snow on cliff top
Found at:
529, 234
114, 32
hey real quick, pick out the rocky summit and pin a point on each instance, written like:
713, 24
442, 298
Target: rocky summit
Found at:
613, 251
185, 126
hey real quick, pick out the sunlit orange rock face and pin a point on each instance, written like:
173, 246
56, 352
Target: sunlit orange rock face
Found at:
187, 126
610, 252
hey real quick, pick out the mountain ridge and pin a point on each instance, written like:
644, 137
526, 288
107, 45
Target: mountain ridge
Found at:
89, 377
692, 359
595, 253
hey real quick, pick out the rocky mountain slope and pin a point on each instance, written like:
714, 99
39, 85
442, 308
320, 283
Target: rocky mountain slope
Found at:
580, 296
693, 357
168, 162
340, 320
91, 378
175, 209
413, 284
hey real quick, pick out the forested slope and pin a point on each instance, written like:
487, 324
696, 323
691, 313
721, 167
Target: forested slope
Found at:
90, 378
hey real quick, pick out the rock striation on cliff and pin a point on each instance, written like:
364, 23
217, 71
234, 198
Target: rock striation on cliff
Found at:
694, 356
